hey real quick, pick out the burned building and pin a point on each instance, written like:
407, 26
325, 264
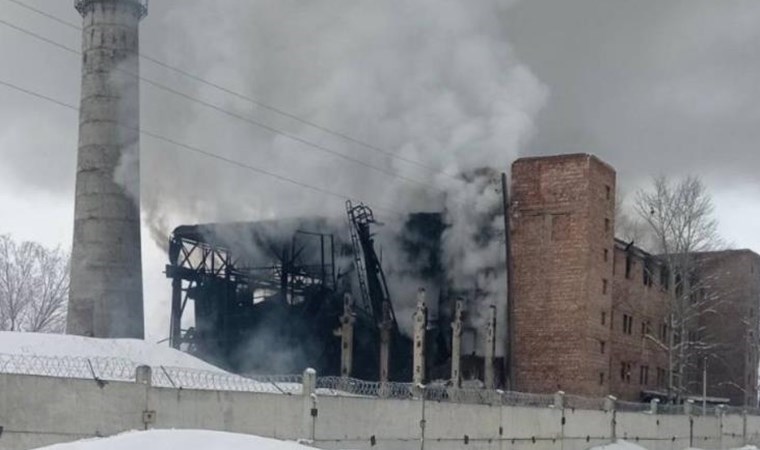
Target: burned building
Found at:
586, 313
280, 296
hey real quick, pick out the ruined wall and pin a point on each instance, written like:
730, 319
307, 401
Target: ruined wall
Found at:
563, 222
638, 360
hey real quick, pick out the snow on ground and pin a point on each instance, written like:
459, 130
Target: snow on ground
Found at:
625, 445
136, 351
180, 439
619, 445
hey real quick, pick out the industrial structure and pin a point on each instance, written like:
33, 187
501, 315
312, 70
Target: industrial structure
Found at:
588, 315
106, 297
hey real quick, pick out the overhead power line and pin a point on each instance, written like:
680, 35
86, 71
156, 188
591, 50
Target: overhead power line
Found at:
190, 148
254, 101
266, 127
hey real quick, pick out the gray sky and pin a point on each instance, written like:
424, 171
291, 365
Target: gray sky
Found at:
650, 86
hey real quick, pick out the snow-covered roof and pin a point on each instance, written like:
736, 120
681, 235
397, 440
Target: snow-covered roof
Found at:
67, 346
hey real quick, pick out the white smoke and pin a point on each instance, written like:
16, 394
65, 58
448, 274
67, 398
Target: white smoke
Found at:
434, 81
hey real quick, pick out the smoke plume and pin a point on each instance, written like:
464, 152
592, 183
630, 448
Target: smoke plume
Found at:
430, 81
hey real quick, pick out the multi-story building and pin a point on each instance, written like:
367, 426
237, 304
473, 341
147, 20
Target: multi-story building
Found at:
591, 312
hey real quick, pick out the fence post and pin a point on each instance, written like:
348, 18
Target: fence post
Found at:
721, 411
310, 411
688, 408
744, 428
144, 376
609, 405
423, 421
559, 402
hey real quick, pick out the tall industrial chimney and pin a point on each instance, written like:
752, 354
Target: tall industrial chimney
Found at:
106, 297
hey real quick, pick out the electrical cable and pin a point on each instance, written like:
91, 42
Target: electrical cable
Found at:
252, 100
231, 114
197, 150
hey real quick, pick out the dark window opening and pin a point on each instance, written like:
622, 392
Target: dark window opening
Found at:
628, 265
604, 286
601, 378
627, 324
604, 317
601, 346
644, 375
664, 278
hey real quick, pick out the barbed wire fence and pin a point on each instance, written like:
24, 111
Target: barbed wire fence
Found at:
107, 369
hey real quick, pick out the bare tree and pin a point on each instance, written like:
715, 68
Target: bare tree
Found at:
34, 285
680, 219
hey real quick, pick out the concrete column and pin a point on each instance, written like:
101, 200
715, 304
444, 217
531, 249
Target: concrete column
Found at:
420, 328
144, 376
559, 400
456, 344
106, 296
386, 327
310, 411
347, 336
609, 406
653, 405
489, 370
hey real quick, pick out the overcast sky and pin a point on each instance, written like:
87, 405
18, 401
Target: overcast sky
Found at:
651, 86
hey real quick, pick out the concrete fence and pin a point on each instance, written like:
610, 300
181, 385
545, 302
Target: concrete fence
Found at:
41, 410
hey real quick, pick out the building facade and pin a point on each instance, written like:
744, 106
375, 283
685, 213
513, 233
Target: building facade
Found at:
591, 313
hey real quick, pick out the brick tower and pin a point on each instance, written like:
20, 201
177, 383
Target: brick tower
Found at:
562, 243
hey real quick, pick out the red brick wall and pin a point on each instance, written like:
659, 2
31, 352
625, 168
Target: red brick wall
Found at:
640, 348
562, 221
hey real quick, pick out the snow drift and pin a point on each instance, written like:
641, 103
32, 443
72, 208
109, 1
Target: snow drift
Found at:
180, 439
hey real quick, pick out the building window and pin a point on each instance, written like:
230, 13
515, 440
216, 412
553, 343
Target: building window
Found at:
647, 273
601, 346
665, 278
661, 375
645, 328
628, 265
627, 324
644, 375
606, 255
601, 378
608, 192
604, 286
604, 317
663, 332
625, 372
606, 225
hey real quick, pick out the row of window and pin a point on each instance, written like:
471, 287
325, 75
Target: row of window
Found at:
626, 370
646, 326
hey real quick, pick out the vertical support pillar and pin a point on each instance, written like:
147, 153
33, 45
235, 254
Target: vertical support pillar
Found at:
456, 344
347, 336
653, 405
144, 376
745, 440
509, 361
310, 411
420, 328
609, 406
385, 343
721, 411
490, 356
559, 402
